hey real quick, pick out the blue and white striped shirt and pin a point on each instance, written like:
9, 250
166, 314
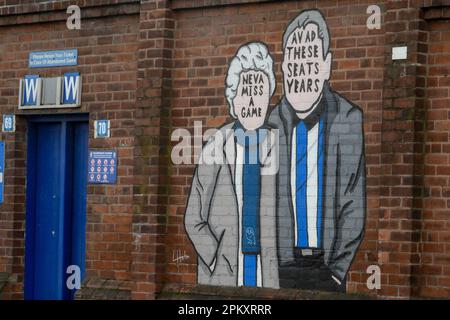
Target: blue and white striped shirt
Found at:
307, 168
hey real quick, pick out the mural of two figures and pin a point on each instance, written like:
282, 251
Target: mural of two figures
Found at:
278, 198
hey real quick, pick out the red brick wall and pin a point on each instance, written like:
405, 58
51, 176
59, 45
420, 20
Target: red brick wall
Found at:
151, 160
402, 79
434, 270
108, 64
206, 40
156, 65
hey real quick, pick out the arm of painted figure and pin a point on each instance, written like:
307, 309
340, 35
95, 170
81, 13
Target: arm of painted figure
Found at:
197, 215
352, 196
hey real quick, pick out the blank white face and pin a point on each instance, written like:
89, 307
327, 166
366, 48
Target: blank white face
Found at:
304, 68
252, 99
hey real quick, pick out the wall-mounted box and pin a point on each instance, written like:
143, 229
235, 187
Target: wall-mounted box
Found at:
399, 53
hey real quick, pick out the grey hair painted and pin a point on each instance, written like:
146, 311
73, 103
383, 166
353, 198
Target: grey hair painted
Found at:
253, 56
310, 16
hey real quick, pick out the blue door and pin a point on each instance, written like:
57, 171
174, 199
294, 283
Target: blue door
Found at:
56, 204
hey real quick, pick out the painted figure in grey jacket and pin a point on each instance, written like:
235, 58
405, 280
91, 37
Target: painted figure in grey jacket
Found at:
321, 183
231, 211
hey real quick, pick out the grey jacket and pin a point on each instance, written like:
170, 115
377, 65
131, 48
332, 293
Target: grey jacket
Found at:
212, 216
345, 182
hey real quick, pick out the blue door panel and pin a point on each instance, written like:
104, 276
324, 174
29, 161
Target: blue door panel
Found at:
56, 204
47, 213
80, 169
75, 211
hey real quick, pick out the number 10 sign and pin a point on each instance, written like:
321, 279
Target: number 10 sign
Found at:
102, 129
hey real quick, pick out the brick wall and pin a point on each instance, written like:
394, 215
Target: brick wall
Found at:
401, 105
153, 66
205, 41
433, 272
108, 64
151, 162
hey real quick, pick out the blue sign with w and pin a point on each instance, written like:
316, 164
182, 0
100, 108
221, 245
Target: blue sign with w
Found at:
30, 90
71, 86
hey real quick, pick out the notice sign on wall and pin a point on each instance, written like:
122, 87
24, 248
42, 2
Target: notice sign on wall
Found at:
2, 169
102, 167
55, 58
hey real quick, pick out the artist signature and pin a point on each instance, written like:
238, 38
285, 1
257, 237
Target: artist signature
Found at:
178, 256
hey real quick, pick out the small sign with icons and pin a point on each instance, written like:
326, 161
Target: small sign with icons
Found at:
102, 167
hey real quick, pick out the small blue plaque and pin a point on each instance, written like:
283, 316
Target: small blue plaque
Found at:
102, 167
9, 123
55, 58
102, 129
